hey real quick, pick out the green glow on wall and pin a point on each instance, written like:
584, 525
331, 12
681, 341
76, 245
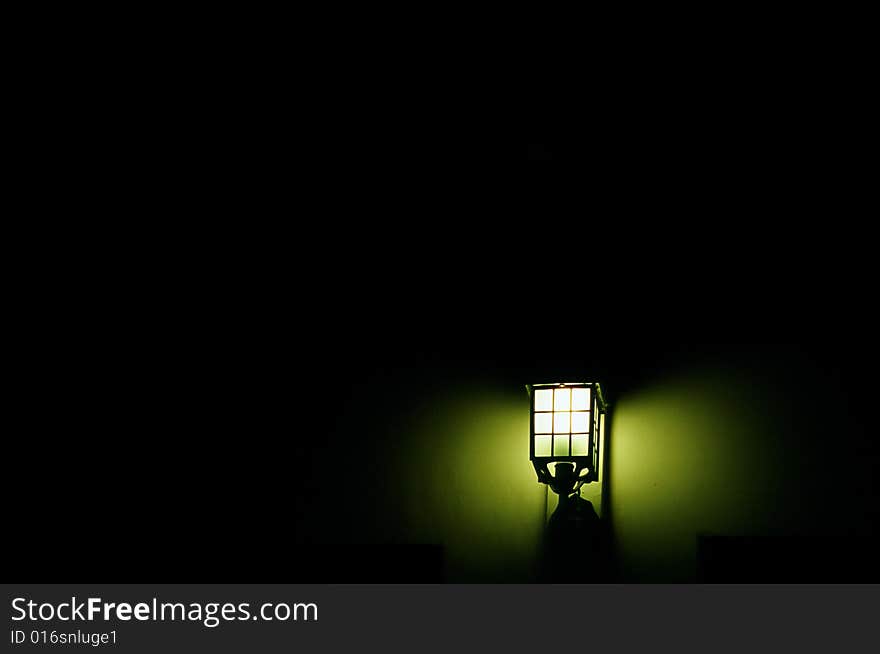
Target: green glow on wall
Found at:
471, 486
693, 455
697, 452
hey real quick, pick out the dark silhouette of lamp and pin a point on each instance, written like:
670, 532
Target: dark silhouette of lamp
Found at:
567, 433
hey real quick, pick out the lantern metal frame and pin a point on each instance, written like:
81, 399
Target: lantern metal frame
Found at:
589, 462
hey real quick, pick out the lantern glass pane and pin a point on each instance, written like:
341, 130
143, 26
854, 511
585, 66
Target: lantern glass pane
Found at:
543, 423
579, 445
580, 399
561, 423
562, 401
580, 422
544, 400
560, 445
542, 445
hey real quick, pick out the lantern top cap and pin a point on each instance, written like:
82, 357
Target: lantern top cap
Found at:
562, 384
595, 385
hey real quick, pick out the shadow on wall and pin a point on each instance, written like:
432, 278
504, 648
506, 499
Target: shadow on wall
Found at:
471, 486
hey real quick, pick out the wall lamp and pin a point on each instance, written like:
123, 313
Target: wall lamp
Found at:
567, 430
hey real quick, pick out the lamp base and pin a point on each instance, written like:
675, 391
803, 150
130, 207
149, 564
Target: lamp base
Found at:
571, 474
565, 481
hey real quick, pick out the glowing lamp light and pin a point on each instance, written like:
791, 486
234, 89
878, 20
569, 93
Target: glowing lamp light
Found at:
567, 430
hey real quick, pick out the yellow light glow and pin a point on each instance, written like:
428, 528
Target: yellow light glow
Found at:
544, 400
543, 423
579, 445
562, 398
560, 445
580, 399
561, 422
580, 422
542, 445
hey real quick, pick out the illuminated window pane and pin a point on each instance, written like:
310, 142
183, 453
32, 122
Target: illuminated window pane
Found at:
580, 399
542, 445
560, 445
544, 400
543, 423
563, 399
579, 445
561, 423
580, 422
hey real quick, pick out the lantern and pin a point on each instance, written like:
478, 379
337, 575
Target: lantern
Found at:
567, 427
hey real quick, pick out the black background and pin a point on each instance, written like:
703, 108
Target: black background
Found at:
161, 435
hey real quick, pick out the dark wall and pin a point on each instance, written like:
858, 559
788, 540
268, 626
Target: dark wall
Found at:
374, 461
769, 445
205, 397
755, 465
